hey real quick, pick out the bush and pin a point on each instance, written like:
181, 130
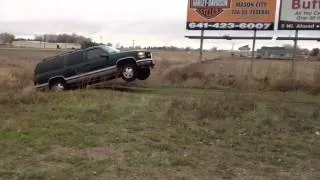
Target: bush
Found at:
7, 38
314, 52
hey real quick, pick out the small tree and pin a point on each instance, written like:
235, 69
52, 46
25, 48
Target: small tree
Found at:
314, 52
187, 49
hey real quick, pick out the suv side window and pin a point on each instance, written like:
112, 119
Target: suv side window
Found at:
94, 54
75, 58
50, 65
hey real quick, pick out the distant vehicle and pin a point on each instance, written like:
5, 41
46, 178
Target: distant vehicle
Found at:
83, 67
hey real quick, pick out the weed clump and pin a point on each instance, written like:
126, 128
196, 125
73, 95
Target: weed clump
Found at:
290, 84
20, 97
16, 80
211, 108
194, 75
233, 106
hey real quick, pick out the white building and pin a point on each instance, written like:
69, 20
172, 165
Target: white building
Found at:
46, 45
245, 51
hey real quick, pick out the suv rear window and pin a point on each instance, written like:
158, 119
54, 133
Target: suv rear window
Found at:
50, 64
75, 58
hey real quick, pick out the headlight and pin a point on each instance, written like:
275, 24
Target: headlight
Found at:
141, 55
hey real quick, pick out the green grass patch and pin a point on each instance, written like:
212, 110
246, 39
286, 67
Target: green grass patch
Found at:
117, 135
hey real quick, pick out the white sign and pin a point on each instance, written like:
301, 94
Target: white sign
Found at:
299, 15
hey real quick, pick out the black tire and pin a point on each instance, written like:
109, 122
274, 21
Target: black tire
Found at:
58, 86
129, 72
143, 74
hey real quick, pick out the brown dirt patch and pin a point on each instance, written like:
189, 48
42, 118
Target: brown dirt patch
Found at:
97, 153
58, 151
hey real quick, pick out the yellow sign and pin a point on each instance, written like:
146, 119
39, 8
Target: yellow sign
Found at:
231, 14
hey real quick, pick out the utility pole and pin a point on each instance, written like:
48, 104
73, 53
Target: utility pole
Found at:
132, 44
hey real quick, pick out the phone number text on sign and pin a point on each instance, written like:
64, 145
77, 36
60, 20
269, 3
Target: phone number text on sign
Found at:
229, 26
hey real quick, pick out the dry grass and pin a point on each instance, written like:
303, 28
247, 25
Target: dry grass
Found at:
228, 107
186, 57
182, 69
220, 73
17, 67
173, 133
257, 138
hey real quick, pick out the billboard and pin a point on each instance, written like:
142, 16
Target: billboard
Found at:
299, 15
231, 14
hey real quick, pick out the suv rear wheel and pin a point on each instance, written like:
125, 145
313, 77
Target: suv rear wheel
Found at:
129, 72
58, 86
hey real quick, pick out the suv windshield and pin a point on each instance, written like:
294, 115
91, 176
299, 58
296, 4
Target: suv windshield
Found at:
110, 49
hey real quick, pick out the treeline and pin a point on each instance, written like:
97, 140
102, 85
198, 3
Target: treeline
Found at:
52, 38
62, 38
7, 37
165, 48
68, 38
313, 52
169, 48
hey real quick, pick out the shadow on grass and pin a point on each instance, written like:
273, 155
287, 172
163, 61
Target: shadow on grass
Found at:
122, 88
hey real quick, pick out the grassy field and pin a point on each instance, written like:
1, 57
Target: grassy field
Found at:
163, 128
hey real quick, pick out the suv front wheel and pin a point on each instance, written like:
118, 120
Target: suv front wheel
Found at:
129, 72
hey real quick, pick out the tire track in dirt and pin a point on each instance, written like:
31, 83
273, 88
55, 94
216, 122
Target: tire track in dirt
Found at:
266, 97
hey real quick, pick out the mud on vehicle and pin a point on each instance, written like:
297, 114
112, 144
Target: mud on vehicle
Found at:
79, 68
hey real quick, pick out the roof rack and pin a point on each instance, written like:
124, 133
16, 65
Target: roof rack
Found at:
62, 54
68, 52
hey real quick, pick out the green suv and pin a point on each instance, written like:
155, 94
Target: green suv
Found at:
92, 65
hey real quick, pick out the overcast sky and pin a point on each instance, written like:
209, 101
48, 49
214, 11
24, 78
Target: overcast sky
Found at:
148, 22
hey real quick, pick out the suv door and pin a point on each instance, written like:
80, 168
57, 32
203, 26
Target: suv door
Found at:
96, 59
74, 65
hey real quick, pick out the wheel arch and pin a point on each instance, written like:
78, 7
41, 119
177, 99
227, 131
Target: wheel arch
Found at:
56, 79
127, 60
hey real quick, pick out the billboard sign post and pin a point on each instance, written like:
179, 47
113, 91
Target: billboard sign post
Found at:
201, 45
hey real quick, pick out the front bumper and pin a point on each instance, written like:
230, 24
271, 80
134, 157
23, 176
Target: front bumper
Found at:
146, 63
